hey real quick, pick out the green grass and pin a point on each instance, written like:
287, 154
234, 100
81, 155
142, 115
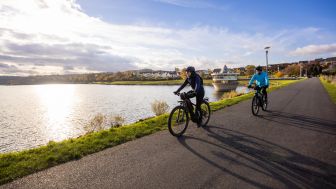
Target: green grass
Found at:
330, 88
18, 164
273, 83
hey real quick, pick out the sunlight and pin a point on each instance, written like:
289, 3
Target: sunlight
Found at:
57, 102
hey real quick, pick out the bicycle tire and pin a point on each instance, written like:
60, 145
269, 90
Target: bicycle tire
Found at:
170, 121
204, 124
264, 103
255, 105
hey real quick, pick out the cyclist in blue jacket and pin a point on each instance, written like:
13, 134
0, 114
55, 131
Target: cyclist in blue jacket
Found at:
196, 83
261, 79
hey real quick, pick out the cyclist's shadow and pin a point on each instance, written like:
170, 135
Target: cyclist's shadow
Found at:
284, 165
301, 121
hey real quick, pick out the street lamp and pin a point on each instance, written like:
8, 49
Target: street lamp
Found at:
266, 48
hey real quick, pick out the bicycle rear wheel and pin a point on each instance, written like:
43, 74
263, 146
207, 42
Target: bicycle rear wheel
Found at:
205, 113
265, 103
178, 121
255, 105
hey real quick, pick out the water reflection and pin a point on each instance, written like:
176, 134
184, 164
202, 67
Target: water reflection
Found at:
57, 101
32, 115
240, 89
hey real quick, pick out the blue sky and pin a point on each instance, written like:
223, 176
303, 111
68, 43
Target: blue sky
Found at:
249, 15
78, 36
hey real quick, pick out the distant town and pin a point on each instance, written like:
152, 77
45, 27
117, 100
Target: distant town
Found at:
306, 68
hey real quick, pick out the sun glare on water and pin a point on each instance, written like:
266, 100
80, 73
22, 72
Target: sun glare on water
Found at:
57, 102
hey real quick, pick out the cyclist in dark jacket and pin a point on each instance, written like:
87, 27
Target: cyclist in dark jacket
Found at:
196, 83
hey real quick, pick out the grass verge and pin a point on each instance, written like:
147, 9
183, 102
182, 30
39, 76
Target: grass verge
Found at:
18, 164
330, 88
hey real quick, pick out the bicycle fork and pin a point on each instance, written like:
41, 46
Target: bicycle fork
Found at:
178, 116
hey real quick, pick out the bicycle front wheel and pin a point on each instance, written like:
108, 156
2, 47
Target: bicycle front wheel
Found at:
178, 121
205, 114
255, 105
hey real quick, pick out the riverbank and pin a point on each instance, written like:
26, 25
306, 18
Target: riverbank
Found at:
162, 82
18, 164
330, 88
207, 82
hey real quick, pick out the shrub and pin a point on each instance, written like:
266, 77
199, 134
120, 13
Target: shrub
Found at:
279, 74
159, 107
116, 121
97, 123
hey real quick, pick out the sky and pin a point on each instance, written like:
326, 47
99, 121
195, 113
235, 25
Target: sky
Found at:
39, 37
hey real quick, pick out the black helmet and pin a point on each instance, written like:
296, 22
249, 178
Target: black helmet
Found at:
259, 68
190, 69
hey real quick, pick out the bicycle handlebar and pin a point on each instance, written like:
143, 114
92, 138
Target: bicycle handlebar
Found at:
255, 87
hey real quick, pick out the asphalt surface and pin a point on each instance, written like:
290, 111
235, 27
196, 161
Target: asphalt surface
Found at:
293, 145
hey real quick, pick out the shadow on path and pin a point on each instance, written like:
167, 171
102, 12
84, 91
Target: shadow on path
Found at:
291, 169
302, 121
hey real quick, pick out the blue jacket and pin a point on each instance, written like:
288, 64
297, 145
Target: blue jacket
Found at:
261, 80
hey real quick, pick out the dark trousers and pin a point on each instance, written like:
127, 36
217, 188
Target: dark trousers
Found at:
263, 90
199, 100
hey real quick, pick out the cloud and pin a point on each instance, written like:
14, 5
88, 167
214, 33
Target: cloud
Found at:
315, 49
4, 66
6, 69
68, 68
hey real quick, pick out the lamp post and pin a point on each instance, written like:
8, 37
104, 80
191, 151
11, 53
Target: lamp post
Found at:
266, 48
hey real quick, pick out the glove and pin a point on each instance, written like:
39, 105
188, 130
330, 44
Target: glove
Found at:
249, 86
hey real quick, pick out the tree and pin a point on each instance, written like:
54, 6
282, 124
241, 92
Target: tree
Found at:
183, 74
314, 69
250, 69
292, 70
209, 71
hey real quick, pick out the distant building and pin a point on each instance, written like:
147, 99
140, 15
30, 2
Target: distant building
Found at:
217, 70
160, 74
331, 60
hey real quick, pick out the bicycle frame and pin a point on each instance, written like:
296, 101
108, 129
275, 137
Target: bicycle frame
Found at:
190, 106
259, 95
184, 113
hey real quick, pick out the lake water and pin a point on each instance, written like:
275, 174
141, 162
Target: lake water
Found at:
33, 115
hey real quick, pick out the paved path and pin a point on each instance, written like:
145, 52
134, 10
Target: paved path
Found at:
291, 146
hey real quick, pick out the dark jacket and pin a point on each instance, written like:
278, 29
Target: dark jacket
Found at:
196, 83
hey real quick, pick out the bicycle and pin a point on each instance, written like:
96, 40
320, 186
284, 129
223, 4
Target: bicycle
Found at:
179, 117
259, 100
